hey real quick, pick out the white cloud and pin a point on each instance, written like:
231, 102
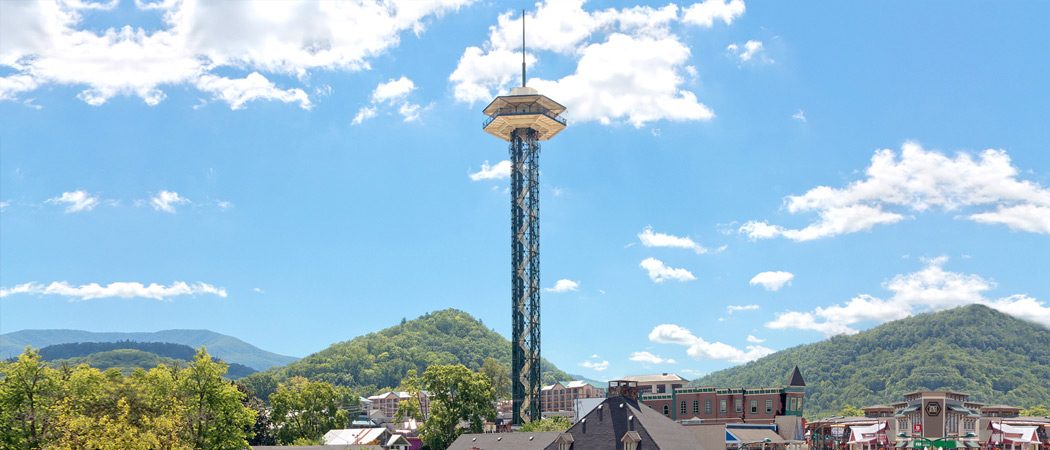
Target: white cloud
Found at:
563, 286
391, 93
918, 180
773, 281
498, 171
658, 272
930, 289
258, 290
649, 358
705, 13
754, 340
223, 205
75, 201
734, 308
166, 201
46, 43
701, 349
598, 366
651, 239
799, 116
630, 66
4, 205
119, 289
747, 51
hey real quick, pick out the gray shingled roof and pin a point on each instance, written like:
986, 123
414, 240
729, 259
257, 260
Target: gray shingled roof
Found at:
604, 427
796, 378
510, 441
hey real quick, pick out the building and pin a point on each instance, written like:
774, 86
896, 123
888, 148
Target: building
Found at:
944, 419
563, 397
366, 436
509, 441
386, 404
657, 384
724, 405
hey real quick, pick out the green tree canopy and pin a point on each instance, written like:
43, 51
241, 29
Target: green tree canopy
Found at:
305, 410
456, 395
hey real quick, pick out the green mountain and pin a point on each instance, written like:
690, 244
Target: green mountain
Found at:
227, 348
128, 355
995, 358
378, 361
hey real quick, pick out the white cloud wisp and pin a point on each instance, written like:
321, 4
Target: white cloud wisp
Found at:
773, 281
563, 285
918, 180
651, 239
166, 201
701, 349
76, 201
498, 171
393, 93
658, 271
631, 67
928, 290
119, 289
649, 358
45, 43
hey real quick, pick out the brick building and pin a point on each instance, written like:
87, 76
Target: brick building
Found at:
386, 403
729, 405
562, 397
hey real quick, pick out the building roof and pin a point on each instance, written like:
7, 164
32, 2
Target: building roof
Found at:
576, 384
754, 434
605, 427
317, 447
494, 441
653, 378
354, 436
796, 378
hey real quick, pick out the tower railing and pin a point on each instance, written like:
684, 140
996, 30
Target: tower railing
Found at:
524, 111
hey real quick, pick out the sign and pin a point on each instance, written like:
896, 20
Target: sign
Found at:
921, 444
933, 409
917, 428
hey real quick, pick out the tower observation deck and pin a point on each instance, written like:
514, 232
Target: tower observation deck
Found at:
524, 118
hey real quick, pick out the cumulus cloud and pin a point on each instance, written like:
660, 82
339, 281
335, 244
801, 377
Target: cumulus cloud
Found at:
651, 239
119, 289
698, 348
46, 43
597, 366
75, 201
166, 201
917, 181
649, 358
658, 272
930, 289
630, 66
497, 171
754, 340
734, 308
563, 286
393, 93
773, 281
748, 50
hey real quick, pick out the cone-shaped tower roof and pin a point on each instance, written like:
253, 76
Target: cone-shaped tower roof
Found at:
796, 378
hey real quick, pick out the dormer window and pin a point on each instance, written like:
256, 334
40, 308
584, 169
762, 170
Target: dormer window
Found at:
630, 440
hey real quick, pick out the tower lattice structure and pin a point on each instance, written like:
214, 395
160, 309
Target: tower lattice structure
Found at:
524, 118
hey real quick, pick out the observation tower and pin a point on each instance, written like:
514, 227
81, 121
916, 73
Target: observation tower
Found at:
524, 118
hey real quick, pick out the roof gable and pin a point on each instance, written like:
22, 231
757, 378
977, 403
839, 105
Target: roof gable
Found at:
796, 378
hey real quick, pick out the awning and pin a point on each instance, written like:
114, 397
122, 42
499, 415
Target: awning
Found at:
901, 444
754, 434
958, 408
1011, 434
865, 434
910, 409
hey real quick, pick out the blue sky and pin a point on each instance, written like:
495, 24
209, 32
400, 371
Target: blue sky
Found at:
735, 178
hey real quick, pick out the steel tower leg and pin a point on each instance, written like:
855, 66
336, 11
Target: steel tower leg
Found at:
525, 276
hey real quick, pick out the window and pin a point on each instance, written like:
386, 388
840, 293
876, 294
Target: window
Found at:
630, 445
661, 389
696, 406
722, 406
769, 406
754, 406
800, 404
683, 407
667, 411
739, 404
707, 406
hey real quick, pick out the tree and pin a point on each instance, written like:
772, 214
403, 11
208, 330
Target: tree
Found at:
305, 410
850, 411
456, 395
556, 423
27, 391
1036, 411
216, 418
499, 376
410, 408
262, 429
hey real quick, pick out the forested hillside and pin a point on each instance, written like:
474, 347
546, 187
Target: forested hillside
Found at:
129, 355
229, 348
378, 361
973, 349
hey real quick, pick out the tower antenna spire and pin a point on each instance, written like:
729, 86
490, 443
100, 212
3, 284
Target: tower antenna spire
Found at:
523, 48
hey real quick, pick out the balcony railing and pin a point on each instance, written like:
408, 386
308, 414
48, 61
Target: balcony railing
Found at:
524, 111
